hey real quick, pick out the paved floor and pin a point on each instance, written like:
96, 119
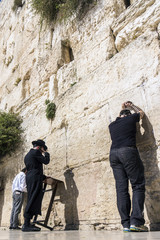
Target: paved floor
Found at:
77, 235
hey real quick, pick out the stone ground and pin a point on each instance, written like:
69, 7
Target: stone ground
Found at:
77, 235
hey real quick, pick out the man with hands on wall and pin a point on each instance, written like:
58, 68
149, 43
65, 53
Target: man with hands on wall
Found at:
127, 166
34, 160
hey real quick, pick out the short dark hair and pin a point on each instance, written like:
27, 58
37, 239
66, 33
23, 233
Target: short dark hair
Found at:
125, 112
24, 170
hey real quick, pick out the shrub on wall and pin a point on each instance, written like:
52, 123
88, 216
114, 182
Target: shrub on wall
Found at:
67, 8
50, 110
10, 132
48, 9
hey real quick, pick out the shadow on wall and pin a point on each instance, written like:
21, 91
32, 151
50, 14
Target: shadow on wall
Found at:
148, 150
69, 199
2, 187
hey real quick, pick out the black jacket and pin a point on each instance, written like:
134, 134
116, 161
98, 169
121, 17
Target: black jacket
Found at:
34, 161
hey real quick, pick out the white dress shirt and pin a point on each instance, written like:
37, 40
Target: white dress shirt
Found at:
19, 182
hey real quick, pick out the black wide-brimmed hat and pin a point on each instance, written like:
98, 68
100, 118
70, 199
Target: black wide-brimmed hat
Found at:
40, 143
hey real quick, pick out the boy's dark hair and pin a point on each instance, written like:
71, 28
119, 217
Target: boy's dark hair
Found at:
24, 170
125, 112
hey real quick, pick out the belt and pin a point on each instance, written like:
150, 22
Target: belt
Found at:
18, 191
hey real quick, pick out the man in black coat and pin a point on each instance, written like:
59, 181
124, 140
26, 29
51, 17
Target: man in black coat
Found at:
34, 160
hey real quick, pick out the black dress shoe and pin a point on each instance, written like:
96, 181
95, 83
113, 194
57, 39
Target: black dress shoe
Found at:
10, 227
30, 228
33, 225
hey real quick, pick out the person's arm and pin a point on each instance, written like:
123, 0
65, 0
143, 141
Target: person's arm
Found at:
23, 183
136, 109
45, 159
123, 106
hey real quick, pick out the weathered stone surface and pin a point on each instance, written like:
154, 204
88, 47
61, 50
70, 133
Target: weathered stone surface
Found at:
115, 58
137, 19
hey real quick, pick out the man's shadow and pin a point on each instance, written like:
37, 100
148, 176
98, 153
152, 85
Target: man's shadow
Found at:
148, 151
69, 199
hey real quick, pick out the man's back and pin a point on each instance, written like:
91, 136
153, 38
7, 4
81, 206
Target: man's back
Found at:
123, 131
31, 160
127, 166
19, 182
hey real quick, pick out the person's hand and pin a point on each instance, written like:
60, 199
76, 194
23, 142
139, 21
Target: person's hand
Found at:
128, 104
123, 105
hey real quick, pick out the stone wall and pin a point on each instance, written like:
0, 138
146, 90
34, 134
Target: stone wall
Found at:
115, 58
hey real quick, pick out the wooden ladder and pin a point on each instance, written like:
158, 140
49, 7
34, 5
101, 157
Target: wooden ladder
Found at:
54, 183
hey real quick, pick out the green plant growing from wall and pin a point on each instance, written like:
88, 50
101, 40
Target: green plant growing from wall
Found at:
70, 6
47, 101
14, 69
67, 8
18, 80
49, 9
50, 110
72, 84
9, 60
10, 132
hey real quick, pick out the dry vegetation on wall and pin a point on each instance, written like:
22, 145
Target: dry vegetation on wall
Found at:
49, 9
10, 132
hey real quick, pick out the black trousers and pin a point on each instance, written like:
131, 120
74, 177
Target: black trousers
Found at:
127, 165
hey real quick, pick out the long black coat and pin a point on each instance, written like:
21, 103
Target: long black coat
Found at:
34, 161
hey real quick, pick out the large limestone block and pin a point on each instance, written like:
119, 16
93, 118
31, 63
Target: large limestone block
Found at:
141, 16
66, 77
